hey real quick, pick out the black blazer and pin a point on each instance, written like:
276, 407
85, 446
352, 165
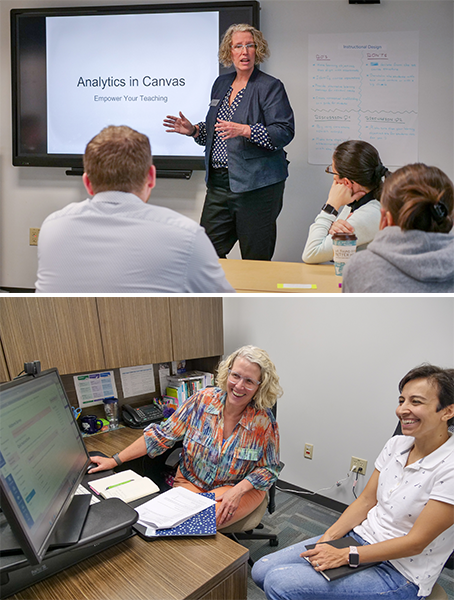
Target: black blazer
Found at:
265, 101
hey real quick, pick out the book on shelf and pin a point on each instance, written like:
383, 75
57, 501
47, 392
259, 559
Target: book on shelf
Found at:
175, 394
126, 485
182, 387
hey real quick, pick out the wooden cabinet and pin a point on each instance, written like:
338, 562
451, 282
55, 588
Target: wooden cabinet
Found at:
197, 327
79, 335
59, 332
4, 375
135, 331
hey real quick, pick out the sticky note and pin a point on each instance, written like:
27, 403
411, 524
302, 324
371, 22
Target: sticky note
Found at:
305, 286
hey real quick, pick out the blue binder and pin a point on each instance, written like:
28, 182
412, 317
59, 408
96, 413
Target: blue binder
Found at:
201, 524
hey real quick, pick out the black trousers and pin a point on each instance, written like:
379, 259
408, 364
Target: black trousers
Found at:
249, 217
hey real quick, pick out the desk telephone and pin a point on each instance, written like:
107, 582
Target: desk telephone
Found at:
140, 417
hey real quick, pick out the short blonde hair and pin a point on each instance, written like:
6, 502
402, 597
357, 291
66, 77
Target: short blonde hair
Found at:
262, 51
269, 390
118, 159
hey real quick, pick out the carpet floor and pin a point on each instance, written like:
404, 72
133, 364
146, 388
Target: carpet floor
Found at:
297, 519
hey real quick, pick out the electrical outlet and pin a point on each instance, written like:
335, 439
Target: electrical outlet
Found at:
308, 450
34, 233
358, 465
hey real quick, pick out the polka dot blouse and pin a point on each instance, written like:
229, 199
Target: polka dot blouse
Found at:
219, 154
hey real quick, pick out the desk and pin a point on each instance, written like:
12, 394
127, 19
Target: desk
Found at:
212, 568
257, 276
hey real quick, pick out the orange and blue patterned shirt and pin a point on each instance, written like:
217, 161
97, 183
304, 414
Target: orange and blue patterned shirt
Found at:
209, 461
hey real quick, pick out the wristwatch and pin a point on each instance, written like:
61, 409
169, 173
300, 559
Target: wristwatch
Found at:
117, 459
353, 557
330, 209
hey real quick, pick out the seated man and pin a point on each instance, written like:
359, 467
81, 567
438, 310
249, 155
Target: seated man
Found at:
115, 241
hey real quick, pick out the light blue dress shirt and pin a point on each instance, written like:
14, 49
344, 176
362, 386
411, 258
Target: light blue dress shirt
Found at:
115, 243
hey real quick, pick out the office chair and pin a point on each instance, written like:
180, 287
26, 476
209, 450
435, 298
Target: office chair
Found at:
244, 528
438, 593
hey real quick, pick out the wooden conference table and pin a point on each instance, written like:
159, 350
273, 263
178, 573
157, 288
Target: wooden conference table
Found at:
211, 568
262, 276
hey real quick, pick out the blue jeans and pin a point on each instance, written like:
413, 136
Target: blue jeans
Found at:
284, 575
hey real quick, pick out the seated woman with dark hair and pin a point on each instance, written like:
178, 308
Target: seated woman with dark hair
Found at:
404, 518
414, 250
230, 436
357, 180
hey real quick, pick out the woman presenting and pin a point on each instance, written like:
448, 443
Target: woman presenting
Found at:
230, 436
403, 519
249, 122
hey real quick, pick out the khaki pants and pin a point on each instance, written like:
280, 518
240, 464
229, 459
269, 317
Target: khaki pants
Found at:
249, 502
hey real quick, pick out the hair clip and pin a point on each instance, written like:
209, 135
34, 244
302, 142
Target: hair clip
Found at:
381, 170
439, 211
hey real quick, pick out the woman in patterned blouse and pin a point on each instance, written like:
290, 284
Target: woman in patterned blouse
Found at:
249, 122
229, 434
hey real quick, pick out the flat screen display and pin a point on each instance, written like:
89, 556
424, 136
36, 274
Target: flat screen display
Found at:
77, 70
42, 458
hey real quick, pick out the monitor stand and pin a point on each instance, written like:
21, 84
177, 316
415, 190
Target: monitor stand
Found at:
71, 524
67, 533
108, 522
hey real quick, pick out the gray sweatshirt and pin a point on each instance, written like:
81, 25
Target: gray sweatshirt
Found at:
399, 261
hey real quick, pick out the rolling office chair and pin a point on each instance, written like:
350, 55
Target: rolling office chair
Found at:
244, 529
438, 593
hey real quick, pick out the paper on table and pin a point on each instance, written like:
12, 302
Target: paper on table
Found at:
82, 490
172, 508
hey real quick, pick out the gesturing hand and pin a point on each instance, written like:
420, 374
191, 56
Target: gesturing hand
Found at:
178, 124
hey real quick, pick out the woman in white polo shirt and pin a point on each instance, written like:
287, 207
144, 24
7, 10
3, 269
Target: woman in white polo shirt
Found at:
404, 518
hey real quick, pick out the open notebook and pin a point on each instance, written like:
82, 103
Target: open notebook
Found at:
126, 485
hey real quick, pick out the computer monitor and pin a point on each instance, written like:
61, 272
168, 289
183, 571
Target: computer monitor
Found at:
77, 69
42, 459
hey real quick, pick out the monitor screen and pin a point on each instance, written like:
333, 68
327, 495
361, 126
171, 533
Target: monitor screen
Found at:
76, 70
42, 458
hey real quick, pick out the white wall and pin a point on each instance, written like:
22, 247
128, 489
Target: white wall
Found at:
339, 361
28, 195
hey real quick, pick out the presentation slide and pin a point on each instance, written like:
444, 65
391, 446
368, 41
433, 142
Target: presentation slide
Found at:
129, 70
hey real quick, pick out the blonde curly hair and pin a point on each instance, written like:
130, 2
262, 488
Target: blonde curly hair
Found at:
262, 51
269, 390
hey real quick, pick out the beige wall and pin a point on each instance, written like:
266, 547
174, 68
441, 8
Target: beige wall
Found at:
339, 360
28, 195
